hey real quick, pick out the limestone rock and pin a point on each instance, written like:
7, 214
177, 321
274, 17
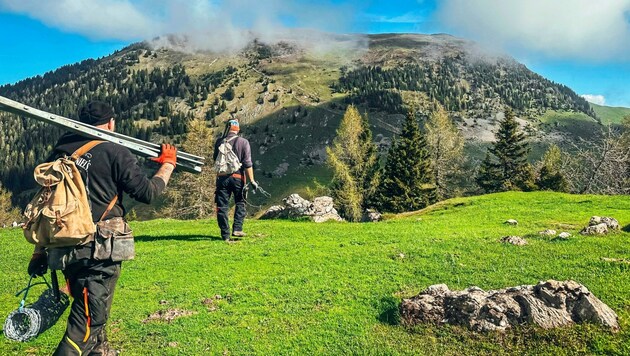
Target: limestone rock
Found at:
600, 225
599, 229
296, 206
371, 215
548, 232
548, 304
564, 235
320, 210
511, 222
514, 240
274, 212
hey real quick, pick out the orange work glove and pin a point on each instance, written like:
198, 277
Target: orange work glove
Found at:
168, 155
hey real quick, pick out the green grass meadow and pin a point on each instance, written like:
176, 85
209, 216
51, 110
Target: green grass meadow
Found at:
300, 288
609, 114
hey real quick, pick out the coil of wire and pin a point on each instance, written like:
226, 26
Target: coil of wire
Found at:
29, 321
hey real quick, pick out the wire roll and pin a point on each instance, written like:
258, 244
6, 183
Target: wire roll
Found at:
26, 323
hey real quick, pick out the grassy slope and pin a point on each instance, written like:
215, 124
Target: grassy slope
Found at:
304, 288
609, 114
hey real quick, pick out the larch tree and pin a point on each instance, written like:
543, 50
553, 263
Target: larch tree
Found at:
191, 196
550, 176
446, 146
8, 213
354, 160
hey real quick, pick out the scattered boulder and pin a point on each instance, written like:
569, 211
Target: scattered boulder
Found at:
599, 229
600, 225
511, 222
514, 240
548, 304
295, 205
320, 210
371, 215
548, 232
611, 223
564, 235
274, 212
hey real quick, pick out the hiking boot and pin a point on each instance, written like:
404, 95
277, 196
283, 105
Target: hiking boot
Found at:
239, 234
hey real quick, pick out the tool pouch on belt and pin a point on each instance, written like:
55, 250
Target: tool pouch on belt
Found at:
113, 240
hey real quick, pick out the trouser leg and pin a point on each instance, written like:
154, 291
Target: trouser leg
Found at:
222, 199
92, 286
239, 210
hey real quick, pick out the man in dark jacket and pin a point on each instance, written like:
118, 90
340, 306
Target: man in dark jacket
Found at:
92, 269
233, 183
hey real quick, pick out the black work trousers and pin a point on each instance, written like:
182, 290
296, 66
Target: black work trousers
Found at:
91, 285
227, 186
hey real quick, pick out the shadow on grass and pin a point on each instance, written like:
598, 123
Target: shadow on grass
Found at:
626, 228
390, 311
149, 238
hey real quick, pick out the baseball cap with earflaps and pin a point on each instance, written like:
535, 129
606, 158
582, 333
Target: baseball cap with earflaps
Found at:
96, 113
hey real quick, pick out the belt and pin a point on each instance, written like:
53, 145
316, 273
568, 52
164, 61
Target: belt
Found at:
235, 175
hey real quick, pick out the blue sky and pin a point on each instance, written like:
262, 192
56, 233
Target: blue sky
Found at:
581, 43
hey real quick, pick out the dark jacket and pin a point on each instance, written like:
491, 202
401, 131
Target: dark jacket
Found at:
241, 148
109, 169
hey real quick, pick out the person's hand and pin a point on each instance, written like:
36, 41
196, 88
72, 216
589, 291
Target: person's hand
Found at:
254, 184
167, 155
38, 266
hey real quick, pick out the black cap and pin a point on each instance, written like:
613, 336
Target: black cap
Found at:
96, 113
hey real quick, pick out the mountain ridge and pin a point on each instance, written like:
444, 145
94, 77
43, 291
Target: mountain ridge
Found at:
289, 97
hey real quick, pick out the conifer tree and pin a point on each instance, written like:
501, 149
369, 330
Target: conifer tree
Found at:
506, 166
191, 196
446, 146
407, 180
549, 175
354, 161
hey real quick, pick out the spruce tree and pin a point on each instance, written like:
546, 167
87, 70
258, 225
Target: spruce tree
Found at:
506, 166
407, 180
354, 161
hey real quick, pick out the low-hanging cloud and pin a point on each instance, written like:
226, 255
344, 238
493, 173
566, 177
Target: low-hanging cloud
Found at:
207, 24
595, 99
583, 29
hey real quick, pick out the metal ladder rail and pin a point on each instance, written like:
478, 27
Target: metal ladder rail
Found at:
139, 147
19, 106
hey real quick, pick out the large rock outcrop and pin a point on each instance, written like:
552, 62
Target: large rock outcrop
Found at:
548, 304
319, 210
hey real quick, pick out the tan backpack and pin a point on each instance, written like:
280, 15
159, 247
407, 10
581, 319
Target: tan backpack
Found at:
59, 214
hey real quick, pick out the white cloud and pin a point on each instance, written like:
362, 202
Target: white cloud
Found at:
208, 24
116, 19
595, 99
584, 29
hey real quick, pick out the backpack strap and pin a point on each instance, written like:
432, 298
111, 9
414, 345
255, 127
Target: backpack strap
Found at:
109, 207
84, 149
80, 152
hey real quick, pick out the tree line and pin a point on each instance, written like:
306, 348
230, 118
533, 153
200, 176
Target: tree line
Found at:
426, 163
